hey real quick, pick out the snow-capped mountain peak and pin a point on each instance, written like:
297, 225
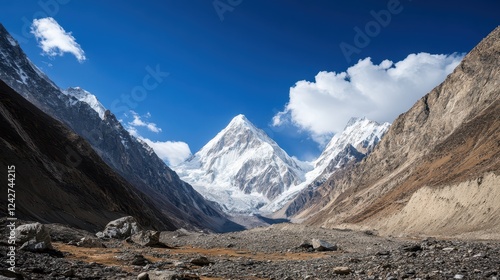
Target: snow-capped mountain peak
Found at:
241, 168
362, 133
358, 138
87, 97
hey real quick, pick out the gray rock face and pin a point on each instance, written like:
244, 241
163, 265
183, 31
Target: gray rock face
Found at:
33, 237
146, 238
87, 242
129, 157
321, 245
120, 228
450, 136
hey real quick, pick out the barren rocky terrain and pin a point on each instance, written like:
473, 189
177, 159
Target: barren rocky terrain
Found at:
277, 252
442, 149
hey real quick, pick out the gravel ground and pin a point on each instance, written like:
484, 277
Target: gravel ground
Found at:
264, 253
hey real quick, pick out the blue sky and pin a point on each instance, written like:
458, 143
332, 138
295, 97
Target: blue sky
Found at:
247, 59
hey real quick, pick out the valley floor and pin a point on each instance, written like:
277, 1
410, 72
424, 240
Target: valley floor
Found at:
264, 253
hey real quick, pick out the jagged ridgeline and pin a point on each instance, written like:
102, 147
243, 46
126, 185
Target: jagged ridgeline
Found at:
437, 170
130, 158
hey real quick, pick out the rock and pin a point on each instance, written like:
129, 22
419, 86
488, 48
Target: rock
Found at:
201, 261
147, 238
7, 274
89, 243
321, 245
120, 228
139, 260
69, 273
458, 276
342, 270
143, 276
412, 248
383, 253
448, 249
170, 275
162, 275
305, 245
33, 237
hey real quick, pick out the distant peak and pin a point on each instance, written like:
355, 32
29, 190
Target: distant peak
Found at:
240, 120
354, 120
76, 89
240, 117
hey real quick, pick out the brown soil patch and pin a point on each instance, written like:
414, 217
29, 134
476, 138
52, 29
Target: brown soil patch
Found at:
108, 256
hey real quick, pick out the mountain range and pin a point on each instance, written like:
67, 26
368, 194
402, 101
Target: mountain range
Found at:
436, 171
131, 158
246, 172
433, 171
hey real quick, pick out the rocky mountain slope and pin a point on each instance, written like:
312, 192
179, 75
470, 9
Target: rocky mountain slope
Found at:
132, 159
48, 187
241, 168
356, 141
247, 172
437, 169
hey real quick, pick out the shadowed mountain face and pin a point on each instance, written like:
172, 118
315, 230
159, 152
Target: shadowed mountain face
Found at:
437, 170
48, 187
134, 160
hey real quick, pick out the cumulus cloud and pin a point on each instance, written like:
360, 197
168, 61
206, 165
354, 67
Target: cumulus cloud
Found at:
138, 122
54, 40
379, 92
173, 152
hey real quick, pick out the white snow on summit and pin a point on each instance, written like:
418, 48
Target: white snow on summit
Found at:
241, 168
358, 139
87, 97
246, 172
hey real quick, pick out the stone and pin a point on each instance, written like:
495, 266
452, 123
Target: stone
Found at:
342, 270
412, 248
201, 261
147, 238
458, 276
448, 249
69, 273
305, 245
139, 260
120, 228
170, 275
143, 276
321, 245
89, 243
33, 237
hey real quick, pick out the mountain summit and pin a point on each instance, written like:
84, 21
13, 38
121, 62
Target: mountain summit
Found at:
126, 155
241, 168
436, 171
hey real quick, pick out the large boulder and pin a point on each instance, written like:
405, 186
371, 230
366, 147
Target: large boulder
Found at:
87, 242
321, 245
33, 237
120, 228
149, 238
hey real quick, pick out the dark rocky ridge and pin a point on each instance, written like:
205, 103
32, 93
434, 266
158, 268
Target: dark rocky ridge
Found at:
47, 189
136, 162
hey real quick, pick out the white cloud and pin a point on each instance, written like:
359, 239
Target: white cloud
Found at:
138, 122
379, 92
54, 40
173, 152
